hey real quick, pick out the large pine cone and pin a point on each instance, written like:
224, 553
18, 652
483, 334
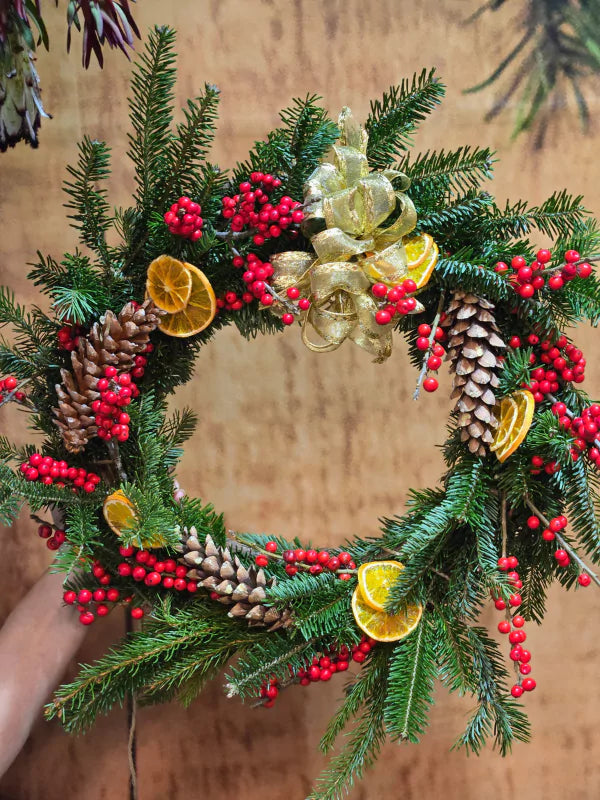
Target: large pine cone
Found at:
113, 340
242, 588
474, 348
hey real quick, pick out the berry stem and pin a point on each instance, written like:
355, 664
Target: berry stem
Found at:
115, 454
564, 544
434, 326
283, 300
12, 394
556, 270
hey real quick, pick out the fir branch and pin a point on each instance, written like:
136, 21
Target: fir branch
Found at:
189, 148
362, 744
88, 204
410, 686
393, 119
151, 113
448, 172
127, 669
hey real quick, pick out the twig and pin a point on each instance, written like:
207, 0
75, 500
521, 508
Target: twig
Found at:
131, 749
504, 525
232, 236
563, 543
17, 388
434, 326
115, 454
283, 300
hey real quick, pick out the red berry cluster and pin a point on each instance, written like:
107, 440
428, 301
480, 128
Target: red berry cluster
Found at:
321, 668
395, 300
555, 525
312, 561
68, 336
528, 278
433, 350
141, 565
251, 208
183, 219
54, 536
585, 429
256, 276
116, 392
49, 471
558, 361
92, 603
538, 464
7, 387
513, 627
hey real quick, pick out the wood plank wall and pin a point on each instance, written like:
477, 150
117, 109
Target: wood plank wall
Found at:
318, 446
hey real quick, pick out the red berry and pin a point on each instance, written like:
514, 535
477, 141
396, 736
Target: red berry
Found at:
518, 621
533, 523
84, 596
504, 626
271, 547
434, 362
383, 317
556, 283
137, 612
518, 262
561, 555
70, 597
515, 600
571, 256
430, 384
323, 557
10, 383
44, 531
516, 690
287, 319
86, 618
543, 256
500, 604
525, 669
514, 341
584, 579
261, 561
526, 291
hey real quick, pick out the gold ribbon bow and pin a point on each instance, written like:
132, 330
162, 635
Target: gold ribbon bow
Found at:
345, 208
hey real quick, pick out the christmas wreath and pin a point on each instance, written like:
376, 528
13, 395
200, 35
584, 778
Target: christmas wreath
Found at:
338, 230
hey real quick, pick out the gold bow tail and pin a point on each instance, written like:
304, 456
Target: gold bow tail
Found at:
346, 207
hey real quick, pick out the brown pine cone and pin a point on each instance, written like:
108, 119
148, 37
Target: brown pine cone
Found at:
474, 348
244, 589
113, 340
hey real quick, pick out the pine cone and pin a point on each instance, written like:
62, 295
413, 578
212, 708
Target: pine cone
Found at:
474, 348
112, 341
242, 588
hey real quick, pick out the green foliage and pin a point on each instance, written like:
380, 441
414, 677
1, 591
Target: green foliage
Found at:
410, 686
87, 200
393, 119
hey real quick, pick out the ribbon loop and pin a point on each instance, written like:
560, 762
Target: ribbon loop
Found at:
345, 209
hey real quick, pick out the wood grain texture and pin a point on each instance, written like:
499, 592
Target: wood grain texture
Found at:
318, 446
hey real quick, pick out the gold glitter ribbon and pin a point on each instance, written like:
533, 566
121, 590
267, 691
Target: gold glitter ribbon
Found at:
345, 209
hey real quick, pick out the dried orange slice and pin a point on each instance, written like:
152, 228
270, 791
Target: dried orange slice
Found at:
422, 254
375, 579
199, 311
506, 413
512, 433
169, 283
381, 626
119, 512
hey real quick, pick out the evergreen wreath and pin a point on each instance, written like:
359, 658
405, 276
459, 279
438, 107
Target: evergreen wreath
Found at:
342, 229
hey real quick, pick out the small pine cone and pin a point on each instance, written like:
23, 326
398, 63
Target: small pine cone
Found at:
113, 340
244, 589
474, 348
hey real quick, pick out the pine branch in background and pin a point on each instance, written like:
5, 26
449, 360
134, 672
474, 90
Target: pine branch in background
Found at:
393, 119
443, 172
555, 57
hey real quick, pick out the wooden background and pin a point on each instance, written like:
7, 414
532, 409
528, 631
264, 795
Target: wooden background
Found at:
289, 441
